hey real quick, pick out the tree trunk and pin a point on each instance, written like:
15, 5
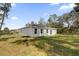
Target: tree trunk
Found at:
68, 24
2, 20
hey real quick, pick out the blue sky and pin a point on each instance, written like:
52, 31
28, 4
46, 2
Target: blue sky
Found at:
22, 13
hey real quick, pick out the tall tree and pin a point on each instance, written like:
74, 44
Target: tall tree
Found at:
77, 4
76, 8
50, 22
32, 24
53, 21
67, 18
53, 17
5, 8
76, 15
41, 22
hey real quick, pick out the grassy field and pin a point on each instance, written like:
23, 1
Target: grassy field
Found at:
59, 45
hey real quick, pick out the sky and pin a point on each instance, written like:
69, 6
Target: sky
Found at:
23, 13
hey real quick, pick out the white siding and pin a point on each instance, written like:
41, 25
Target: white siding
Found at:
54, 32
26, 32
30, 32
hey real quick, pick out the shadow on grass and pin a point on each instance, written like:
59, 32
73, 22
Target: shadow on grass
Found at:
56, 47
66, 51
21, 42
6, 38
3, 39
51, 46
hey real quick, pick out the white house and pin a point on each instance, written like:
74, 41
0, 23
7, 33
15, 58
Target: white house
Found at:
35, 31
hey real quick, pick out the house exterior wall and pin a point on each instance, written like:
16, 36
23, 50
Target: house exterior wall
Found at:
30, 32
37, 34
54, 31
26, 32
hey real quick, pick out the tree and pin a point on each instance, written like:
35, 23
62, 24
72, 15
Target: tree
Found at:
5, 8
53, 17
66, 18
76, 8
52, 21
77, 4
32, 23
41, 22
75, 13
6, 30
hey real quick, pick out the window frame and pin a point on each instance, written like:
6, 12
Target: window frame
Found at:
50, 31
41, 31
46, 30
35, 31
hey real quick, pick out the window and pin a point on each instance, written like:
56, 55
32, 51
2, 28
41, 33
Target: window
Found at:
50, 31
41, 30
35, 31
47, 30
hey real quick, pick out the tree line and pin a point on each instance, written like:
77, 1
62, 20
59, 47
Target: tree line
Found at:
68, 22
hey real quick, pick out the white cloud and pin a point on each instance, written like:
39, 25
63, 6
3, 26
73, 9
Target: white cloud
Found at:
14, 18
52, 4
64, 7
13, 4
12, 24
69, 6
72, 5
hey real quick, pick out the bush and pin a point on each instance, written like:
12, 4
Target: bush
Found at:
6, 30
71, 30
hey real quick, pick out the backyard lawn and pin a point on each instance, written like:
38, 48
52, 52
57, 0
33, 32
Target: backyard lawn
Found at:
59, 45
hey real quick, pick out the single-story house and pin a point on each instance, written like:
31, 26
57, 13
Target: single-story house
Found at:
36, 31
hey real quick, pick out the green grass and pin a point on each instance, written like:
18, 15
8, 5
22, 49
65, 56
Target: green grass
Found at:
63, 45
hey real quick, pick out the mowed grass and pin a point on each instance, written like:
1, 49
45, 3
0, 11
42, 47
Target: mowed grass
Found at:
16, 45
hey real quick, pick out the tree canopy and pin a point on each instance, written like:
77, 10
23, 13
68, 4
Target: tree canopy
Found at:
5, 8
